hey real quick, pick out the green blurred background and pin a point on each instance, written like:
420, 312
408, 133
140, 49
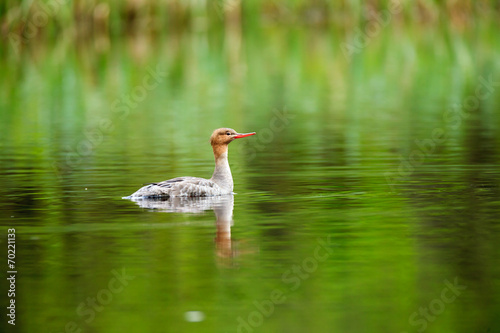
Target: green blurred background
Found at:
377, 126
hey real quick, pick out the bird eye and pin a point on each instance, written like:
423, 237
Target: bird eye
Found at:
228, 133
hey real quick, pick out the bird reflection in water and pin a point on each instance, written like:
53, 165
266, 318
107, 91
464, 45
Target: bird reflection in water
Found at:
221, 205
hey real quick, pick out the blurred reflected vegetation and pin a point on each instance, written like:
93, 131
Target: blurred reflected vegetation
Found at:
82, 19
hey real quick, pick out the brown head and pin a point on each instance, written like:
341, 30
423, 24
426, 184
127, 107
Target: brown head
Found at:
221, 137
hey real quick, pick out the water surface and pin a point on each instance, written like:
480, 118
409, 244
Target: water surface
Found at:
361, 201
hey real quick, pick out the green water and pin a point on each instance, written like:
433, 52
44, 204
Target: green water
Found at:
367, 202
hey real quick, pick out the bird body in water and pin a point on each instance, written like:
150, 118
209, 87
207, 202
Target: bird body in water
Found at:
221, 182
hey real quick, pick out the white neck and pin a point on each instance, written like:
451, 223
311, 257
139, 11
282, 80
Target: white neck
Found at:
222, 174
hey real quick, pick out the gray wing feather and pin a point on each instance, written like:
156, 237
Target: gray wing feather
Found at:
179, 187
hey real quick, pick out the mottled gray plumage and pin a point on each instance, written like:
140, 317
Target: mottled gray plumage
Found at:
181, 187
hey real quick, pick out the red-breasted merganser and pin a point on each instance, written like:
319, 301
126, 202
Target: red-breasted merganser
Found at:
220, 183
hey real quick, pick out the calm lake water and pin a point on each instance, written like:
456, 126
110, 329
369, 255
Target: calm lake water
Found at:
369, 201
